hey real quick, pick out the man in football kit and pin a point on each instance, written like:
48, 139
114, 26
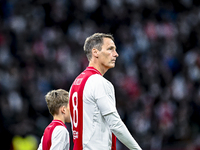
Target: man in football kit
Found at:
56, 136
94, 118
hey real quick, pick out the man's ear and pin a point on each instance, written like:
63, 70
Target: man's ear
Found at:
95, 52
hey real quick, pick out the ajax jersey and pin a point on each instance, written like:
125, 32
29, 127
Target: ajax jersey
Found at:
55, 136
91, 98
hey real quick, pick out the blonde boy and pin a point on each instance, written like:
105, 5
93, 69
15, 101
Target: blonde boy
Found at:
56, 136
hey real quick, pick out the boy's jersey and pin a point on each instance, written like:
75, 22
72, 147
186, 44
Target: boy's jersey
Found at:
91, 98
55, 137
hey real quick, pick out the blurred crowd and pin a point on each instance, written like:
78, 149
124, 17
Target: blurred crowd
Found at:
156, 78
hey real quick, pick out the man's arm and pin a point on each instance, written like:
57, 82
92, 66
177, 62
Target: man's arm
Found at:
120, 131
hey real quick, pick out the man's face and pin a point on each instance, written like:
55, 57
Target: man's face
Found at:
108, 55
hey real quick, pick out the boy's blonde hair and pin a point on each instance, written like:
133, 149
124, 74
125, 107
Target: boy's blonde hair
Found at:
55, 99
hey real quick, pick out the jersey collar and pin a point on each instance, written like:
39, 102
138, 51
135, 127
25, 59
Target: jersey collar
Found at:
59, 121
93, 69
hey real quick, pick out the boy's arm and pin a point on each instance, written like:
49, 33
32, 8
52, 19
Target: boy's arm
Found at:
40, 145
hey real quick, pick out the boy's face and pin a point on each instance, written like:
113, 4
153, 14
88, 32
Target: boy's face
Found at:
67, 114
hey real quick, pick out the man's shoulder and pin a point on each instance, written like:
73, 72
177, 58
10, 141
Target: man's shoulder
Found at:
97, 78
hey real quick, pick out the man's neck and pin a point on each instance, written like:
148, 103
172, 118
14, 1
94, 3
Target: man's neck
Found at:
101, 69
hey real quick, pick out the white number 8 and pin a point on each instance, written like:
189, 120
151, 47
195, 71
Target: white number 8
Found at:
75, 108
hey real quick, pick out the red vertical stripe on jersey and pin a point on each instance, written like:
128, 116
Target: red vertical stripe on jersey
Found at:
113, 142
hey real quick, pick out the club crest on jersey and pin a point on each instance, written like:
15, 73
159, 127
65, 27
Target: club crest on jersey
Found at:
78, 81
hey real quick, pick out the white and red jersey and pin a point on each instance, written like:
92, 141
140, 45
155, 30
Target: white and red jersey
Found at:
91, 98
55, 137
94, 118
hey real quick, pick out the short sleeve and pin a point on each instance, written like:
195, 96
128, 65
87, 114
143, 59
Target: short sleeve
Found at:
105, 105
103, 94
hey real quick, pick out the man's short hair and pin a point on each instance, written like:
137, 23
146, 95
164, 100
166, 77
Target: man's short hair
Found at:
95, 41
55, 99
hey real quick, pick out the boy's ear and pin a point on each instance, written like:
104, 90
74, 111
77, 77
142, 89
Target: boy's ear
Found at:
63, 109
